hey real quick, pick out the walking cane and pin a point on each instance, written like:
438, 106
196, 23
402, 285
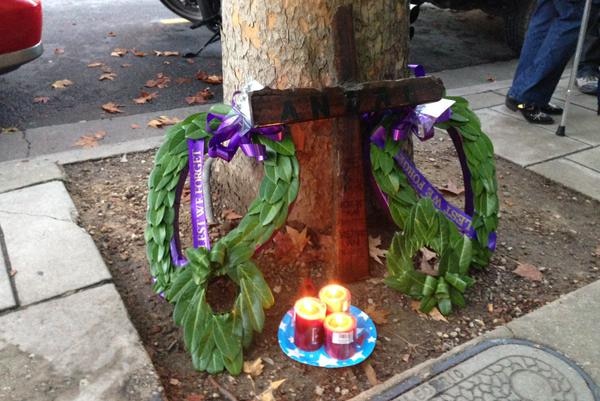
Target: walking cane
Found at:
584, 21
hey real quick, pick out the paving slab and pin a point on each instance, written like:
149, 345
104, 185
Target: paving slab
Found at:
522, 143
588, 158
49, 251
7, 298
23, 173
50, 200
485, 99
500, 370
80, 347
572, 175
13, 146
570, 324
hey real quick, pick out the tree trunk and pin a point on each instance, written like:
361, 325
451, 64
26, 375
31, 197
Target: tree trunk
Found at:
289, 44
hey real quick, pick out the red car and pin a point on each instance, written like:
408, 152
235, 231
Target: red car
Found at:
20, 33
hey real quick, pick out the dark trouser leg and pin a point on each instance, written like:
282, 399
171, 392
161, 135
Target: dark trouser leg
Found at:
590, 57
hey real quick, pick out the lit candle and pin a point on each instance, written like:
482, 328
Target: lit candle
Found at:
309, 314
336, 297
340, 333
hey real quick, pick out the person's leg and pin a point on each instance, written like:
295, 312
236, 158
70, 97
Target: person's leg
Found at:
587, 71
539, 25
555, 52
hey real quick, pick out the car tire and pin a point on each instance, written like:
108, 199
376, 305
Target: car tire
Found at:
516, 23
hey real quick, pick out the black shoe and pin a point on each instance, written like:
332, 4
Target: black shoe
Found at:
532, 113
552, 109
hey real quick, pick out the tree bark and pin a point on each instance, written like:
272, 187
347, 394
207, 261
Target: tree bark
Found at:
289, 44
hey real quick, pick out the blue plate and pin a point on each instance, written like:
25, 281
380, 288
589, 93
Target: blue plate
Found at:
365, 331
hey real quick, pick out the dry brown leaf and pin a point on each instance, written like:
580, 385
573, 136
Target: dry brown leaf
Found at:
134, 126
119, 52
12, 272
162, 121
490, 308
528, 271
416, 306
183, 80
111, 107
125, 65
200, 97
267, 395
254, 368
145, 97
299, 238
138, 53
374, 251
161, 81
165, 53
435, 314
190, 61
379, 316
61, 84
194, 397
406, 358
41, 99
95, 64
111, 34
59, 50
110, 76
428, 262
106, 69
230, 214
597, 252
90, 140
9, 130
175, 382
491, 78
371, 375
209, 79
452, 189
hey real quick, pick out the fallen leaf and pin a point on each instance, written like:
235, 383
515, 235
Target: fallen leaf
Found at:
253, 368
428, 263
194, 397
435, 314
406, 358
162, 121
528, 271
490, 308
190, 61
125, 65
95, 64
138, 53
183, 80
200, 97
119, 52
61, 84
135, 126
161, 81
374, 251
491, 78
174, 382
299, 238
90, 140
165, 53
111, 34
9, 130
111, 107
267, 395
106, 69
41, 99
209, 79
230, 214
416, 307
452, 189
597, 252
371, 375
379, 316
110, 76
145, 97
59, 50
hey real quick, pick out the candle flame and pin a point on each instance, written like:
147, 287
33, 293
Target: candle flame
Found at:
339, 322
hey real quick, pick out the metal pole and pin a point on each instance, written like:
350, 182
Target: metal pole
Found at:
584, 22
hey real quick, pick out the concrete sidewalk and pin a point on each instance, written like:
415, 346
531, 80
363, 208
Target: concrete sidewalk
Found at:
65, 332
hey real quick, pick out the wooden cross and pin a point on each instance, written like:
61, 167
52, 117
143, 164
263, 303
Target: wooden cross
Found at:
345, 104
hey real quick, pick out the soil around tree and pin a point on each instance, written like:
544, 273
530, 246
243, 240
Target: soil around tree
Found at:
542, 224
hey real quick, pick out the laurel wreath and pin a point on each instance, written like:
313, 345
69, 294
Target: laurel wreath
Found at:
216, 340
423, 225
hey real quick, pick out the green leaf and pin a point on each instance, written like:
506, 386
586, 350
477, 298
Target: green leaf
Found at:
459, 118
442, 289
427, 304
455, 281
445, 306
227, 344
293, 190
429, 287
239, 254
457, 298
269, 212
284, 147
234, 366
218, 253
284, 169
387, 164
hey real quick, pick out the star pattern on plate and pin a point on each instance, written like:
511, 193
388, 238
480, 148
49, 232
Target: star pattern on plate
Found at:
371, 340
325, 360
358, 355
363, 316
283, 326
295, 353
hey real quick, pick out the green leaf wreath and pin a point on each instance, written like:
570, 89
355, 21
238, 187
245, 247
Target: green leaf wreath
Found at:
423, 225
216, 340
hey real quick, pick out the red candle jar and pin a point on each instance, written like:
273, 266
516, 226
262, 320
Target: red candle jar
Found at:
336, 297
309, 314
340, 333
